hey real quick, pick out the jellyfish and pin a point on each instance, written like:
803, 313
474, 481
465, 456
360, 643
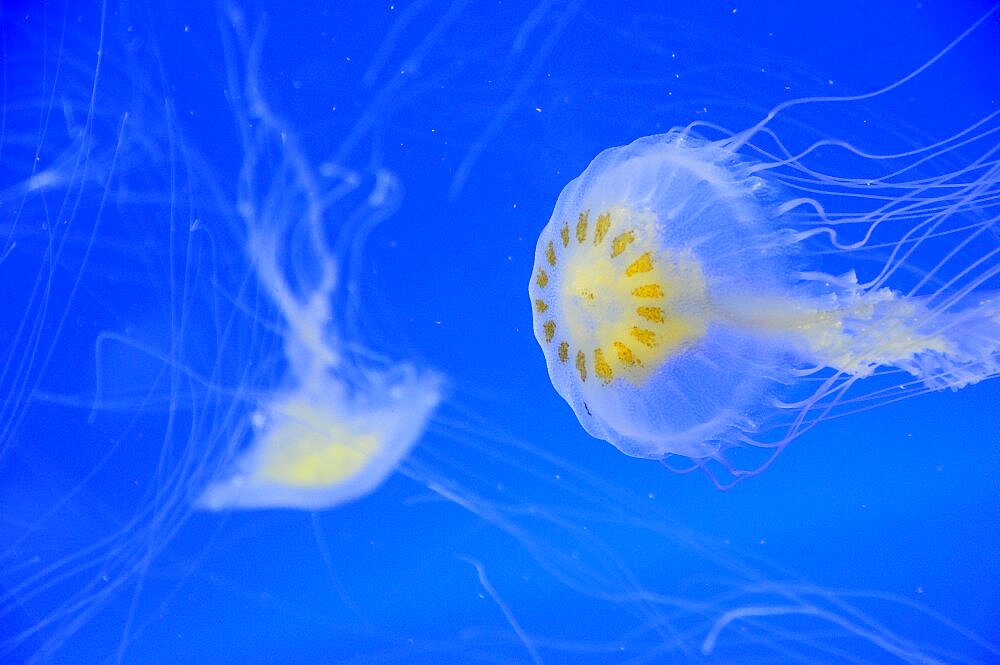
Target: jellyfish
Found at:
343, 419
341, 422
696, 296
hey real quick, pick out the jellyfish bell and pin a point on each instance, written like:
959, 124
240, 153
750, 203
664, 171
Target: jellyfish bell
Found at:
681, 294
319, 444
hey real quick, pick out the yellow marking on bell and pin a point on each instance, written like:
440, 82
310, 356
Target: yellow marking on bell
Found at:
323, 466
628, 303
644, 335
625, 355
601, 367
564, 234
540, 305
601, 230
652, 314
642, 264
542, 280
550, 254
648, 291
550, 330
621, 242
315, 450
581, 226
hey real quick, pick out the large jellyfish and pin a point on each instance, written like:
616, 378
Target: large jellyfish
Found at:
693, 296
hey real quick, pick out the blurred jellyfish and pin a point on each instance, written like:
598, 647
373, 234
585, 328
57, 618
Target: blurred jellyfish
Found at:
699, 297
345, 418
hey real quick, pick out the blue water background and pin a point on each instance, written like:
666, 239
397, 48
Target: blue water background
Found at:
482, 112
